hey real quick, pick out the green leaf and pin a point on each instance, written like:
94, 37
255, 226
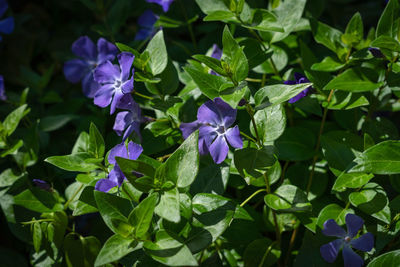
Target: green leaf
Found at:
208, 6
389, 259
389, 21
351, 180
183, 165
80, 251
382, 158
114, 249
81, 144
353, 80
296, 144
79, 162
278, 56
253, 162
346, 100
354, 31
141, 216
264, 21
212, 178
86, 203
12, 120
328, 64
386, 42
212, 63
277, 94
168, 207
338, 153
128, 165
166, 83
271, 123
96, 142
38, 200
158, 53
261, 253
52, 123
219, 15
37, 236
208, 84
332, 211
12, 148
288, 198
326, 35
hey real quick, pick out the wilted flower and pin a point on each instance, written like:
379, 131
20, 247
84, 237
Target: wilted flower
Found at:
90, 57
216, 53
146, 25
116, 177
7, 24
164, 3
299, 78
346, 241
213, 121
376, 52
42, 184
2, 89
128, 121
115, 81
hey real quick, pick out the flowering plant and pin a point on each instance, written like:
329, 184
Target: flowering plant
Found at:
200, 132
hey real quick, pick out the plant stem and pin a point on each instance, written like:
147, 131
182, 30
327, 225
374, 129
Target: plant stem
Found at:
73, 196
248, 137
189, 25
35, 221
253, 80
251, 113
253, 195
291, 244
141, 95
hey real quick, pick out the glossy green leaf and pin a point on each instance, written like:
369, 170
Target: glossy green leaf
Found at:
328, 64
353, 80
12, 120
114, 249
351, 180
79, 162
256, 253
158, 53
96, 142
141, 216
354, 31
208, 84
388, 23
389, 259
332, 211
288, 198
386, 42
271, 123
168, 206
296, 144
38, 200
37, 236
253, 162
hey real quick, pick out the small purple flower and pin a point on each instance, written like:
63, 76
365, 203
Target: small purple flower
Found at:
116, 177
299, 78
115, 81
376, 52
146, 25
346, 241
90, 56
2, 89
214, 119
128, 121
42, 184
164, 3
216, 53
7, 24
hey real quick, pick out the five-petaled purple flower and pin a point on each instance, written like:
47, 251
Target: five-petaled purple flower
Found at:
346, 241
146, 25
164, 3
216, 53
2, 89
213, 121
82, 69
128, 121
299, 78
116, 177
115, 81
7, 24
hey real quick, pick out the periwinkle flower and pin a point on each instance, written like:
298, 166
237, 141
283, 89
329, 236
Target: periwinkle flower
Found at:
299, 78
146, 25
115, 81
116, 176
346, 241
128, 121
89, 57
164, 3
216, 53
213, 121
376, 52
42, 184
2, 89
7, 24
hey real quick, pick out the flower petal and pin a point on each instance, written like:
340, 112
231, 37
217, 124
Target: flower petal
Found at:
330, 251
75, 69
106, 72
188, 128
89, 85
133, 127
219, 149
164, 3
331, 228
127, 87
85, 48
208, 113
117, 96
364, 243
289, 82
126, 102
147, 19
351, 259
106, 51
122, 121
104, 185
7, 25
125, 60
134, 150
227, 113
116, 175
117, 151
216, 52
300, 78
104, 95
2, 89
233, 137
354, 224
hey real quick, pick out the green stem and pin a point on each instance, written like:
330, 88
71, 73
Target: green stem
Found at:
35, 221
253, 80
251, 113
191, 32
73, 196
248, 137
253, 195
141, 95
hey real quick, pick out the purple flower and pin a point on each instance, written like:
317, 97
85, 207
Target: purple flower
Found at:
7, 24
2, 89
115, 81
214, 119
128, 121
90, 56
116, 177
346, 241
376, 52
216, 53
146, 25
164, 3
42, 184
299, 78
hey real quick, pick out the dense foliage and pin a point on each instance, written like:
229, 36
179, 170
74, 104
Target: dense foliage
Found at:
200, 133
